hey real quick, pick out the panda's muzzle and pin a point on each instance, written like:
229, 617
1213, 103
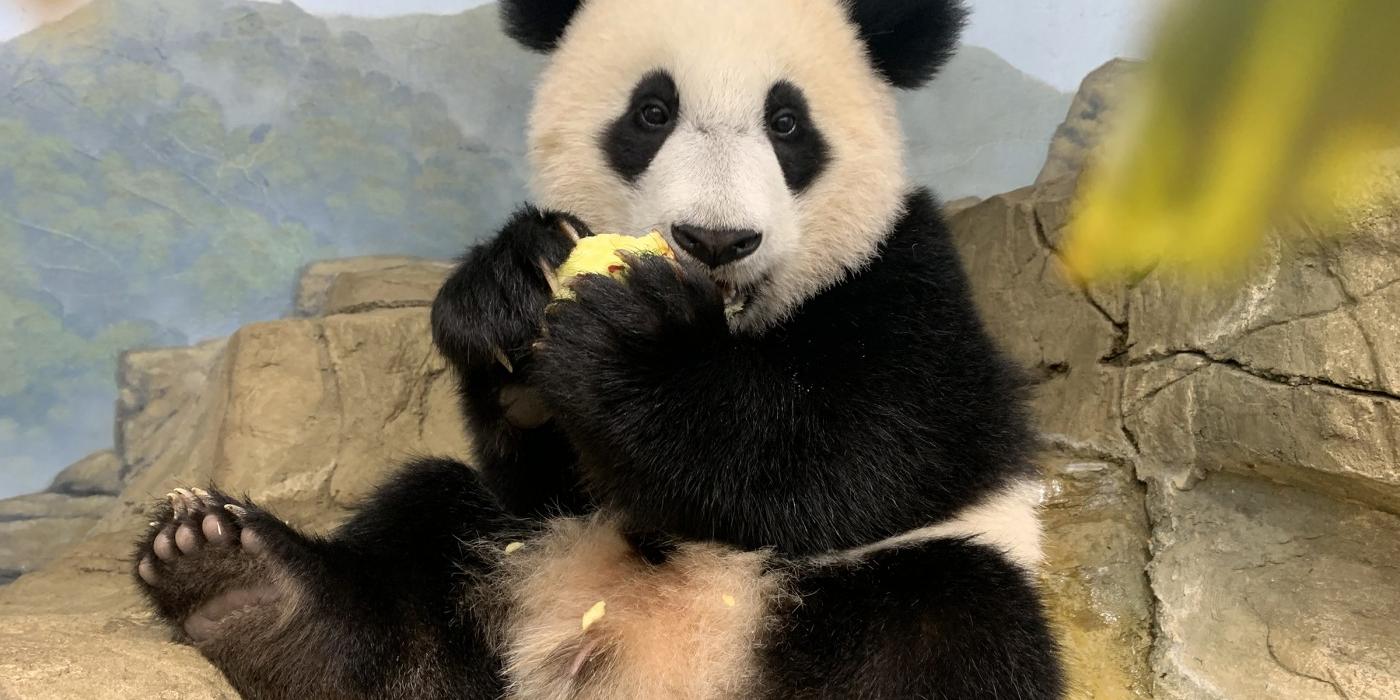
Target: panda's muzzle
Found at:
716, 246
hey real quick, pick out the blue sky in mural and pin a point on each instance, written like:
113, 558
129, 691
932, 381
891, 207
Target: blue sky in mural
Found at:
1058, 41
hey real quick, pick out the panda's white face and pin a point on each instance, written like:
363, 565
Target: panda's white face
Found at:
753, 133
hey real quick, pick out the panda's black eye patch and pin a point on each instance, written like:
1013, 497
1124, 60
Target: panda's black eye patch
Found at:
801, 150
633, 139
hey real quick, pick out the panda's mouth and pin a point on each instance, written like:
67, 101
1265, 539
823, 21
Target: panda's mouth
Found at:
736, 297
734, 300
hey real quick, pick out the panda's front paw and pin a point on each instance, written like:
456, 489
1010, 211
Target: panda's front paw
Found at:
490, 309
612, 329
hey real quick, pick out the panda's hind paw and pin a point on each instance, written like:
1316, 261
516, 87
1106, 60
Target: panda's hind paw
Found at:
205, 561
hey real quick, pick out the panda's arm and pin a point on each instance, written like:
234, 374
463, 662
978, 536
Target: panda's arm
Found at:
838, 429
485, 318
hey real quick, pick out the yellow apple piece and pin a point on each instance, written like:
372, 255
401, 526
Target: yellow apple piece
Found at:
600, 254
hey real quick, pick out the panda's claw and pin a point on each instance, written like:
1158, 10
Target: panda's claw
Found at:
206, 499
177, 505
568, 229
549, 276
504, 359
189, 503
238, 511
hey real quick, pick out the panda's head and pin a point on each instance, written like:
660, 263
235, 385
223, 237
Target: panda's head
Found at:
760, 136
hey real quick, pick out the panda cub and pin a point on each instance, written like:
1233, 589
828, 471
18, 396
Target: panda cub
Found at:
789, 464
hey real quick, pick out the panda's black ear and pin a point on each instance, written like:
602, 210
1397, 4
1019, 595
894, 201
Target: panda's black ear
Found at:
538, 24
908, 40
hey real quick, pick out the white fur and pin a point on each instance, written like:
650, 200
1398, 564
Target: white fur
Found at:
1007, 521
687, 628
721, 177
717, 167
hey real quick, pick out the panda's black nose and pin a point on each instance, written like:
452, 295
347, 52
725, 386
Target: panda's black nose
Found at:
716, 246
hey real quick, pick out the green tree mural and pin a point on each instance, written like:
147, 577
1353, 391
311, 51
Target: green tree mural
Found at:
166, 167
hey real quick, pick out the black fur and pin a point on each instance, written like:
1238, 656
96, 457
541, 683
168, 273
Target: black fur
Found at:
908, 40
942, 619
630, 142
879, 407
495, 301
803, 154
538, 24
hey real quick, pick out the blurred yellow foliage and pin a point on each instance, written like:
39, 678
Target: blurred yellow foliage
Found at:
1248, 111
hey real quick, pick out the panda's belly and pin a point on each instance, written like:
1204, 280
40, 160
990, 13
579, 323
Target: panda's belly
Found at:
585, 616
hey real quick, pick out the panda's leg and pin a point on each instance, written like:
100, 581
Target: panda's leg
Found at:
945, 618
374, 611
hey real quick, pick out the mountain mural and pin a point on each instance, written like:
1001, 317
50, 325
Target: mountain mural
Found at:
167, 166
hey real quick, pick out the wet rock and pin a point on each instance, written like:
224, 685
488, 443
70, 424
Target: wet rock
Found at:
1096, 533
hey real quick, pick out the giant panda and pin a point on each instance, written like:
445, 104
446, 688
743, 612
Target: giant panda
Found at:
790, 464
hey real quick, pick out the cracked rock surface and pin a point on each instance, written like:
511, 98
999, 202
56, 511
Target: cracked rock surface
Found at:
1257, 422
1258, 425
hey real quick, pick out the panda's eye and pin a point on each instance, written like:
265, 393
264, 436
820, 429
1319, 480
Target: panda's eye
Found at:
654, 115
784, 123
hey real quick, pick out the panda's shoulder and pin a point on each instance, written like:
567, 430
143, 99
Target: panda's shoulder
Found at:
916, 270
919, 250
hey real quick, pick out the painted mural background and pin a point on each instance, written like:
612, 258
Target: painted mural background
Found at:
167, 166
